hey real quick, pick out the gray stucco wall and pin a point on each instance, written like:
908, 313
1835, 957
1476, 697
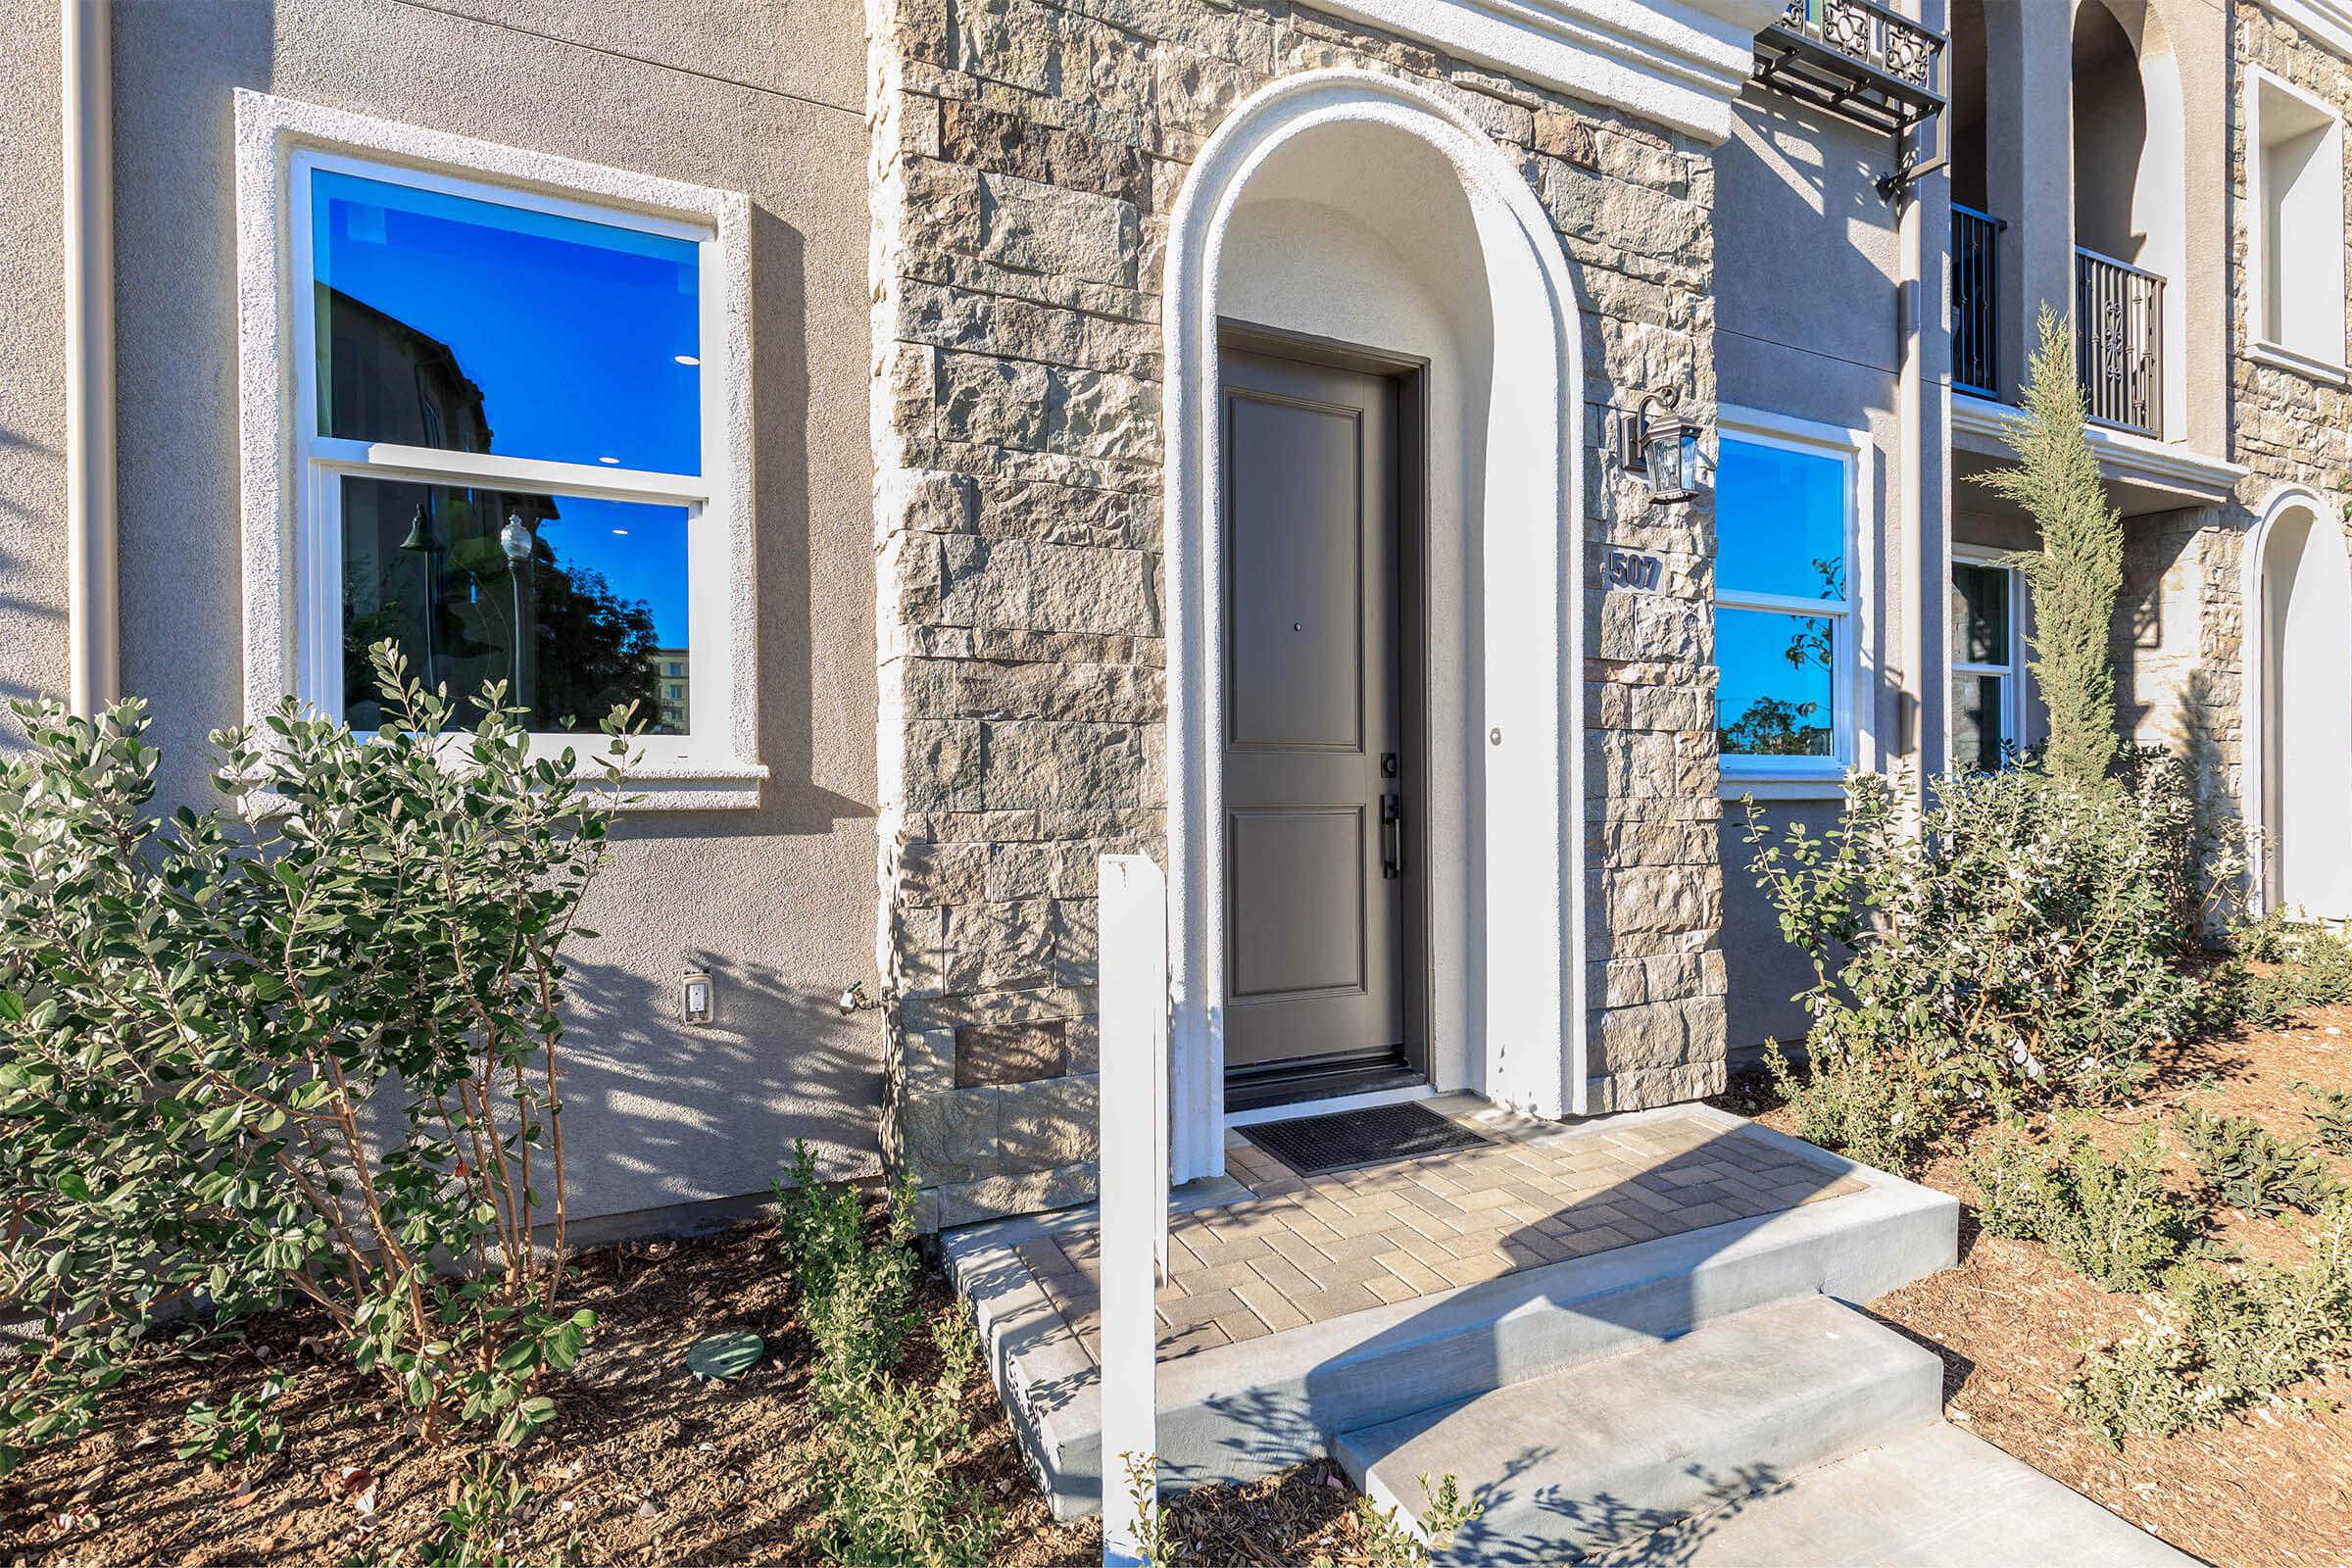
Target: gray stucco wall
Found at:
32, 379
1807, 263
759, 96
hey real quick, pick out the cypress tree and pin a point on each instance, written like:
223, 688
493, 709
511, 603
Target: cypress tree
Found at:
2079, 571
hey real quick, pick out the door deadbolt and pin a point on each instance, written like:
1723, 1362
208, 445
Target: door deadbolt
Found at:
1388, 765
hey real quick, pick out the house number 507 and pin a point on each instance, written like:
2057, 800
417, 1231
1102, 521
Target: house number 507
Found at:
1636, 569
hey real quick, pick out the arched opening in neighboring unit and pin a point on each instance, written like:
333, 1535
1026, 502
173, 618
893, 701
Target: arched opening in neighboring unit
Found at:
2299, 705
1339, 225
2131, 220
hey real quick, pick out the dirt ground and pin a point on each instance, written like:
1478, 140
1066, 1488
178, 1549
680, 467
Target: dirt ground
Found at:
648, 1466
2011, 1323
645, 1465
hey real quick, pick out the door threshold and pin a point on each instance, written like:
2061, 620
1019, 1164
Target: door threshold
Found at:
1328, 1105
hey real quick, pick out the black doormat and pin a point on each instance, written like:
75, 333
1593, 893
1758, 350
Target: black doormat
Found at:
1312, 1146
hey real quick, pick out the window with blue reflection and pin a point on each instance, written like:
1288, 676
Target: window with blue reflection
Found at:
1781, 602
1780, 522
576, 604
445, 320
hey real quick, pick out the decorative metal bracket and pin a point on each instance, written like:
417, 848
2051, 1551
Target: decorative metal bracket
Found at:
1864, 63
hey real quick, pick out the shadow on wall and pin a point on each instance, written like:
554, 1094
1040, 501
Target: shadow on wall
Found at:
653, 1107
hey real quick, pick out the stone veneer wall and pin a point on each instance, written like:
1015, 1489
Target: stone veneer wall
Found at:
2285, 428
1026, 157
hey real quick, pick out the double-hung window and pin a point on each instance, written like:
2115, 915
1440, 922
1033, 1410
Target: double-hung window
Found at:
1986, 657
510, 405
1785, 635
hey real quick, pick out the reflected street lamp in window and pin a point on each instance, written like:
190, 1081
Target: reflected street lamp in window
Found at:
517, 540
1661, 443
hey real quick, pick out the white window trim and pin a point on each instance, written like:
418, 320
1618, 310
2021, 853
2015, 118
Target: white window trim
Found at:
2012, 673
2263, 340
1853, 730
288, 485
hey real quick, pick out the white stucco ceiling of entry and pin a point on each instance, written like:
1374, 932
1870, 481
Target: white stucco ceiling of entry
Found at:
1676, 62
1524, 947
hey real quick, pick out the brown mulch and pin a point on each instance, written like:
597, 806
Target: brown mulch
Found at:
645, 1465
2012, 1321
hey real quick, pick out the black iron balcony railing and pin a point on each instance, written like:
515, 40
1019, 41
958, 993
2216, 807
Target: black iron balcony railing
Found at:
1976, 301
1855, 58
2119, 342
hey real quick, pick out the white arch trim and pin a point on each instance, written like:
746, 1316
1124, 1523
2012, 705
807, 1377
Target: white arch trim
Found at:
2254, 657
1532, 802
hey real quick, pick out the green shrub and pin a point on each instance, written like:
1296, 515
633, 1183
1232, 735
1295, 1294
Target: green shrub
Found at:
305, 1051
2115, 1220
2330, 1115
886, 1493
2251, 1170
2313, 970
2224, 1339
857, 1299
2019, 943
1871, 1106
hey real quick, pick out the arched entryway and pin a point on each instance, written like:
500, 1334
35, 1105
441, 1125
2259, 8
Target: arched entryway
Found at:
1363, 222
2299, 705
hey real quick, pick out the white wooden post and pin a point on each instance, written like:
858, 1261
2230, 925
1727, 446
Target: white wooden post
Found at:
1132, 1176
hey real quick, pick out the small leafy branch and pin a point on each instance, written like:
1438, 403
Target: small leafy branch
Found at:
2117, 1221
2330, 1115
2254, 1171
886, 1491
308, 1051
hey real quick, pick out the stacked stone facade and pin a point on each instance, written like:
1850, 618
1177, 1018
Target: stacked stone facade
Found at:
1027, 155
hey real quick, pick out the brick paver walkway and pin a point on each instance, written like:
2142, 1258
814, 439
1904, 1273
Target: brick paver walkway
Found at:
1305, 1249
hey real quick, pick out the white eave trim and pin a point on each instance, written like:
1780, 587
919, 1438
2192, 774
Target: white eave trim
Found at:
2124, 458
1679, 63
2327, 22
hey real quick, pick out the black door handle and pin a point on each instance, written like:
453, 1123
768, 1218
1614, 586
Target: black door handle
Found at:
1391, 836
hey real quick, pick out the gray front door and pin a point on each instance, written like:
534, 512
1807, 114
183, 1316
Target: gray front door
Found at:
1313, 777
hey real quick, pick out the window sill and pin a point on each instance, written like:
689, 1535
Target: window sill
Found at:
658, 786
1782, 788
2294, 363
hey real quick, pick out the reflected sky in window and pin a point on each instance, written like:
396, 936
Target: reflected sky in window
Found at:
569, 332
1780, 522
472, 326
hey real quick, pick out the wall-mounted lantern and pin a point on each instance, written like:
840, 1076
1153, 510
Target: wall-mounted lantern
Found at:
1661, 443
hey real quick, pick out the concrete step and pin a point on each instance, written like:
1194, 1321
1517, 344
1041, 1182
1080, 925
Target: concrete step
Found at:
1606, 1452
1934, 1498
1248, 1409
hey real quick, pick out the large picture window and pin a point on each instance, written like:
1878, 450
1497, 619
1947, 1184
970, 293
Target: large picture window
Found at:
512, 395
502, 416
1784, 603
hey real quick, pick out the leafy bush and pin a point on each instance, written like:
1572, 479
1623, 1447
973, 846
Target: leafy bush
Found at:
2223, 1339
1388, 1541
2251, 1170
2115, 1220
2313, 970
2330, 1115
2018, 943
885, 1491
308, 1054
